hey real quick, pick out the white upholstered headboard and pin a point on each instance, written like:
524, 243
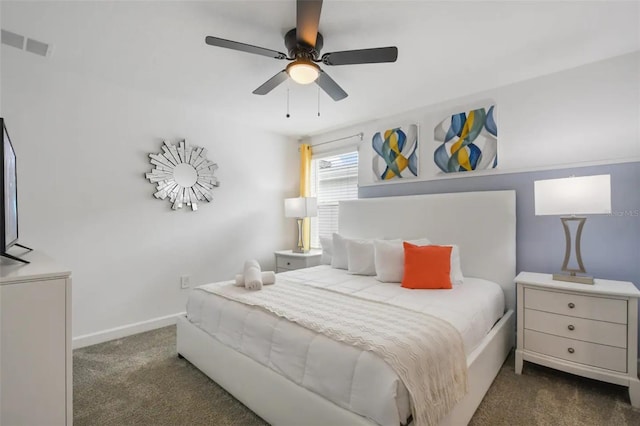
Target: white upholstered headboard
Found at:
482, 224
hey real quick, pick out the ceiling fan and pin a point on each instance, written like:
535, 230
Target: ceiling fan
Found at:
304, 44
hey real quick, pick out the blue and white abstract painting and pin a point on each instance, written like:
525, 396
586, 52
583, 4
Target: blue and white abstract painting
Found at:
396, 152
468, 141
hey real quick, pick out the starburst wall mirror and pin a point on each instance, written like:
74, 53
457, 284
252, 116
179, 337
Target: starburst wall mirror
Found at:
183, 175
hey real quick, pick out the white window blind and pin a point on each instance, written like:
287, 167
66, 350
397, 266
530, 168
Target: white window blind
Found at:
333, 178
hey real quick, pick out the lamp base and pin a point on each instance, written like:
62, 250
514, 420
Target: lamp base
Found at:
300, 248
573, 278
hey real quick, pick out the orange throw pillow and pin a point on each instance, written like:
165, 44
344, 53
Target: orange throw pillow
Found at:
426, 267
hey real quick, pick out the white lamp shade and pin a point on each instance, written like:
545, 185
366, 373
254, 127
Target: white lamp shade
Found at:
300, 207
574, 195
303, 73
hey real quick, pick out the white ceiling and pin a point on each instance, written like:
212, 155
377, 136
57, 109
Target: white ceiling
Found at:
446, 49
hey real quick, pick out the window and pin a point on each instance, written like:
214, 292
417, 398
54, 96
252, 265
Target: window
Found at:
333, 178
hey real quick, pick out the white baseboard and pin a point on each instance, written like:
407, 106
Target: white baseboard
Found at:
124, 331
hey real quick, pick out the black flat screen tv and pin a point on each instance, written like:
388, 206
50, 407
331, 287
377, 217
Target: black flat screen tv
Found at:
9, 196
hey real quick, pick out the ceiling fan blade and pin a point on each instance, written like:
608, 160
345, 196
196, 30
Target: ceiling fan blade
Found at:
327, 84
363, 56
243, 47
307, 19
271, 84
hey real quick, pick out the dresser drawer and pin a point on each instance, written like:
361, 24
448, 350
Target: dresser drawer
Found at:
590, 307
604, 333
592, 354
283, 262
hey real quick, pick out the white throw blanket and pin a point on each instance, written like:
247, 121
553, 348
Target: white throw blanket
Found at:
426, 352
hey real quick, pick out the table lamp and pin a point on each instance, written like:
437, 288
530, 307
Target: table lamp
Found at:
573, 196
300, 208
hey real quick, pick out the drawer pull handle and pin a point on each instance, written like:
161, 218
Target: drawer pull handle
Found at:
571, 327
571, 350
571, 305
288, 263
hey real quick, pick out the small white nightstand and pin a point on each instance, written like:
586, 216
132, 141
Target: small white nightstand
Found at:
588, 330
287, 260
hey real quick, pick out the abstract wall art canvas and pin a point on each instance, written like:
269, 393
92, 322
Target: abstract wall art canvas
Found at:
468, 141
395, 153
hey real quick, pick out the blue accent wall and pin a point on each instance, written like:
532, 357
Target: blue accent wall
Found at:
610, 243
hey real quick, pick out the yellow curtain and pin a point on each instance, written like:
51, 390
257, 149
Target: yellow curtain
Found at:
305, 189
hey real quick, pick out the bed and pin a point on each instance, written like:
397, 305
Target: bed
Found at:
230, 350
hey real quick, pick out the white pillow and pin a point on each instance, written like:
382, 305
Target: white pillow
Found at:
389, 259
360, 258
456, 269
327, 250
339, 258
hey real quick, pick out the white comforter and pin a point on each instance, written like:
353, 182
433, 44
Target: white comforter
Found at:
353, 379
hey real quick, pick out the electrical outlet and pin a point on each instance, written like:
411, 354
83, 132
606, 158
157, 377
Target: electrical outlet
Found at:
185, 281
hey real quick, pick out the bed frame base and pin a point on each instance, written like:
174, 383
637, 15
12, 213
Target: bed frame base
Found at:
282, 402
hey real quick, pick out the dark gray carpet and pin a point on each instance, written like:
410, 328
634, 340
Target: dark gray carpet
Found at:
543, 396
139, 380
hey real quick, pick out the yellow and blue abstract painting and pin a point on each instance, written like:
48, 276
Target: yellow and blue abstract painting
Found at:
468, 141
396, 153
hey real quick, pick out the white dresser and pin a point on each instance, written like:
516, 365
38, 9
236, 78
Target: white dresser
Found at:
589, 330
36, 358
287, 260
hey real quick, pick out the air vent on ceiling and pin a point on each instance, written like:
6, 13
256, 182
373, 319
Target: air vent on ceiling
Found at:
37, 47
18, 41
12, 39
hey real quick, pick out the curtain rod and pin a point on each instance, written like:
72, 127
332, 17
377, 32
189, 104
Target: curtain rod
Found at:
360, 135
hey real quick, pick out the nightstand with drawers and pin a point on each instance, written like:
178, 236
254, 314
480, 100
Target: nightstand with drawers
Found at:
583, 329
288, 260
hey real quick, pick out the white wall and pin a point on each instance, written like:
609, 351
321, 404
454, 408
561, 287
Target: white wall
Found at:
582, 115
82, 147
1, 116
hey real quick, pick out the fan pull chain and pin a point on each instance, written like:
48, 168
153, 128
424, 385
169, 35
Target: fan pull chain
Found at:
318, 101
288, 115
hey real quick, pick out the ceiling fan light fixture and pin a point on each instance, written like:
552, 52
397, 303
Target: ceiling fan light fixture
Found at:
303, 71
